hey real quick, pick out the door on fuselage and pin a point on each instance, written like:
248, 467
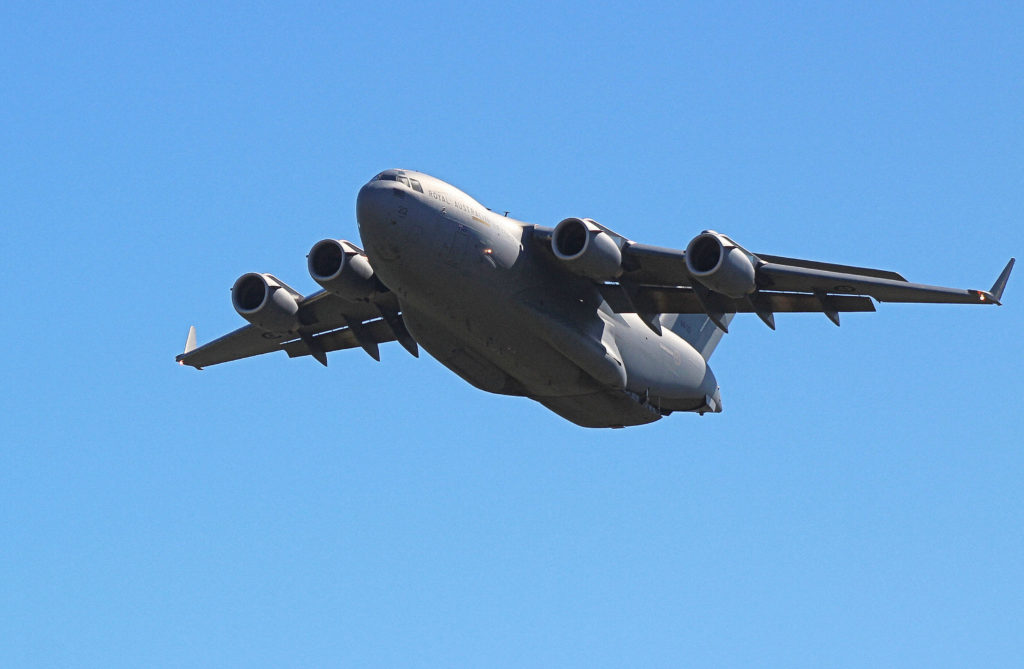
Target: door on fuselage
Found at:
456, 244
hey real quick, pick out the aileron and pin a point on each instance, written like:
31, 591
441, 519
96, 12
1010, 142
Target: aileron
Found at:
787, 278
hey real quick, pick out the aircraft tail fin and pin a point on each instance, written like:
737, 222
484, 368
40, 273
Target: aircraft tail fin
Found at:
698, 329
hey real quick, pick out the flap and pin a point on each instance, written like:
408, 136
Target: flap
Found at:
679, 300
377, 331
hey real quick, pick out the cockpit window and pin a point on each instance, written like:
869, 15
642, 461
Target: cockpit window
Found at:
401, 178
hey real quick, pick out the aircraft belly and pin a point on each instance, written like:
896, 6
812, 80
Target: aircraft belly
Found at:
493, 354
602, 409
517, 363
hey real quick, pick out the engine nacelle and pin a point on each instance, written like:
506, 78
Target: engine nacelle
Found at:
340, 268
263, 301
718, 263
587, 249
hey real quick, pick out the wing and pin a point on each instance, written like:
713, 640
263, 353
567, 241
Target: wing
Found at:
354, 309
327, 323
283, 320
716, 276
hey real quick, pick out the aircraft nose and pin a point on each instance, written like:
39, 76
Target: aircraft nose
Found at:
371, 203
377, 207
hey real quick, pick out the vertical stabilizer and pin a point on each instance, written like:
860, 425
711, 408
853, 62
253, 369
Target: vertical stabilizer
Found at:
699, 330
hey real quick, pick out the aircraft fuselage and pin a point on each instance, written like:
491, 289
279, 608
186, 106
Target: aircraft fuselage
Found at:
481, 298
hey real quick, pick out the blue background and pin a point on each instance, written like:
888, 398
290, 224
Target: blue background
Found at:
859, 503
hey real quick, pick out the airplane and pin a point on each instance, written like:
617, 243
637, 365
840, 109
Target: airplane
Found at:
604, 331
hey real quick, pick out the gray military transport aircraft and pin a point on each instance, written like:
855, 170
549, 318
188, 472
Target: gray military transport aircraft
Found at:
601, 330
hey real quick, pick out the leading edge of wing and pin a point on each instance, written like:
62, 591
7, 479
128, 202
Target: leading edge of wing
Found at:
656, 265
831, 267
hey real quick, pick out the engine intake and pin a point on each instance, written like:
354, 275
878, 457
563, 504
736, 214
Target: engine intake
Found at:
265, 302
342, 269
587, 249
718, 263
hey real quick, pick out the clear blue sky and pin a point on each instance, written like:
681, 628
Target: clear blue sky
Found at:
859, 503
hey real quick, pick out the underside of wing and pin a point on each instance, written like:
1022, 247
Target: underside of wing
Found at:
244, 342
249, 340
328, 323
716, 276
353, 310
790, 278
367, 334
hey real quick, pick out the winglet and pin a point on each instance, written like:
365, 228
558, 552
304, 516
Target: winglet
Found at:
997, 288
190, 345
190, 341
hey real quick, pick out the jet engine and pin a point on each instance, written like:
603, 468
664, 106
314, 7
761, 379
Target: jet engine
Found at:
720, 264
341, 268
265, 302
587, 249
